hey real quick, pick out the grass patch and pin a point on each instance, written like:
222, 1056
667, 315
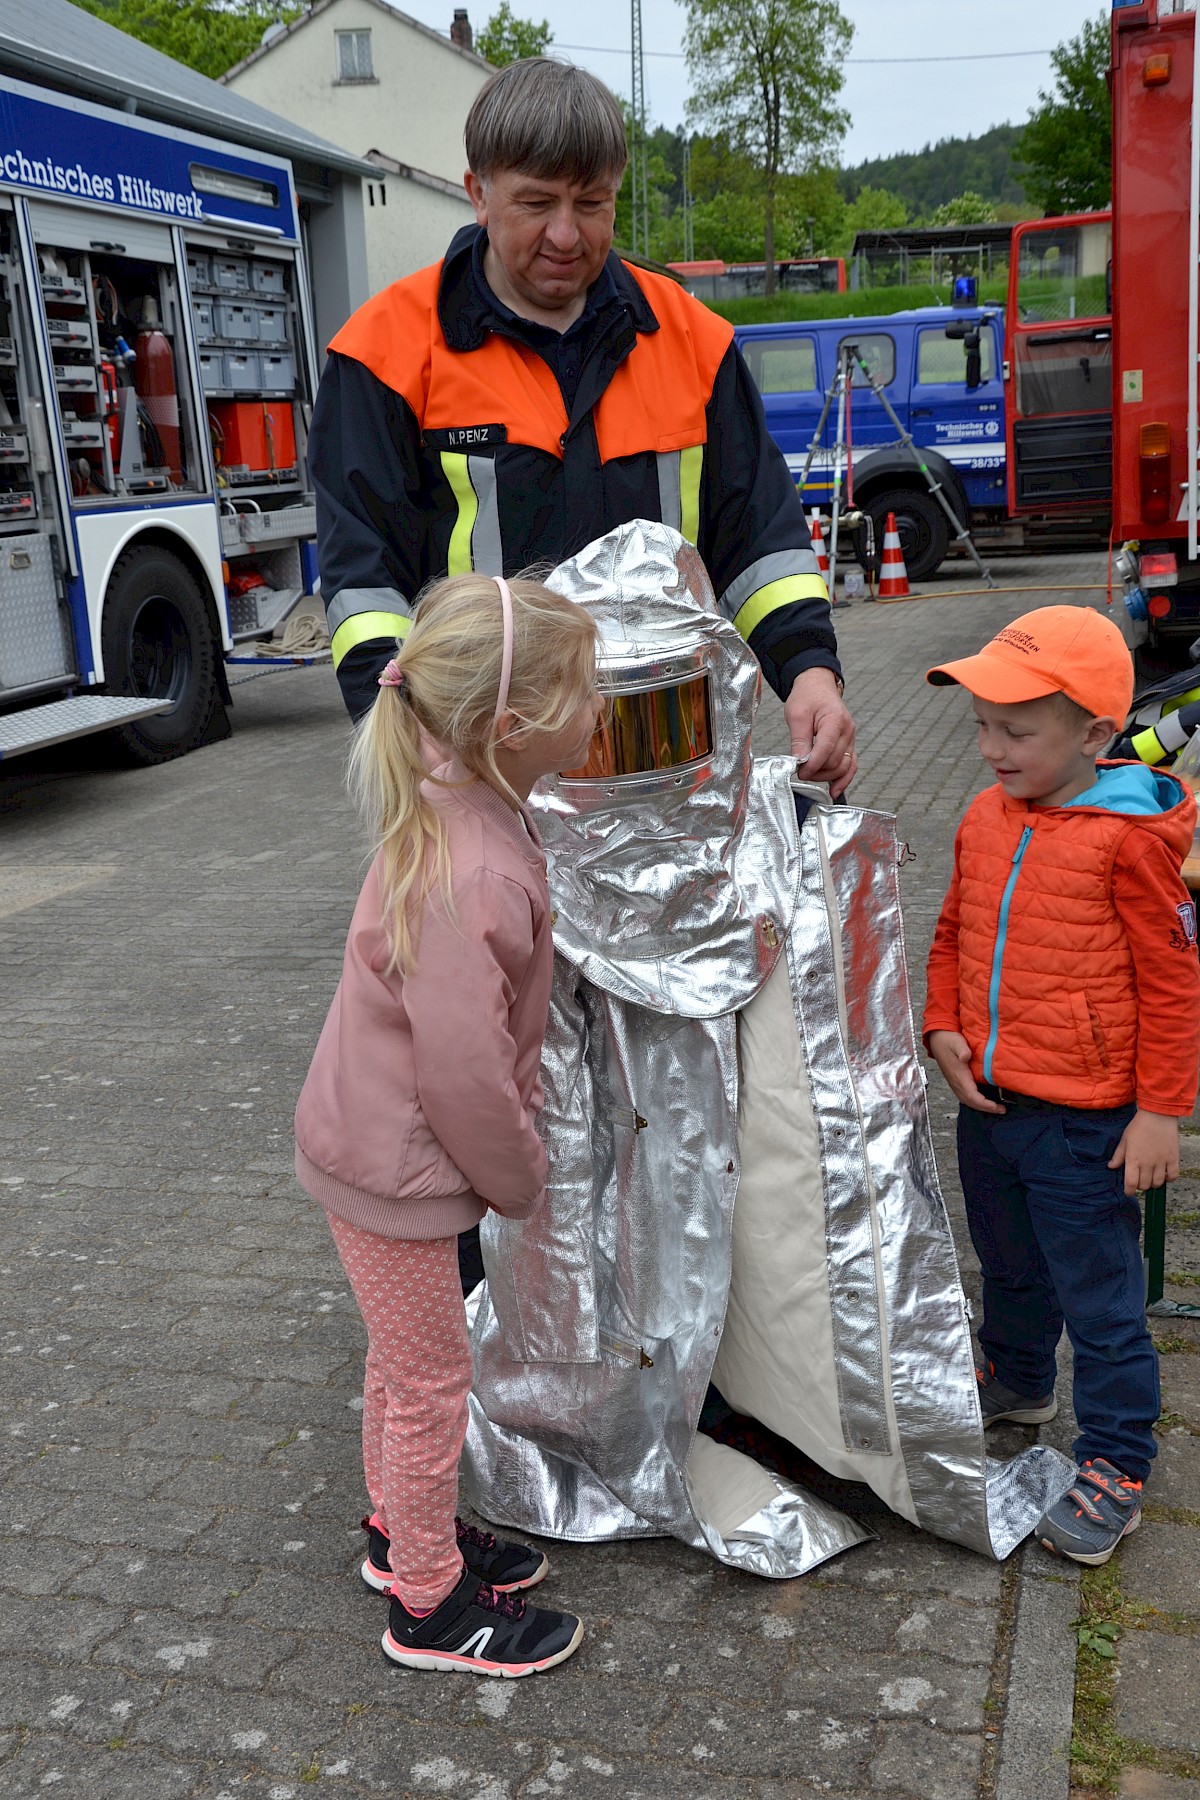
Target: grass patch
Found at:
1099, 1753
1184, 1220
863, 303
1172, 1421
1173, 1343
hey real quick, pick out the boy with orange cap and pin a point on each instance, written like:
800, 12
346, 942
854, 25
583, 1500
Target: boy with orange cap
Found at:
1064, 1012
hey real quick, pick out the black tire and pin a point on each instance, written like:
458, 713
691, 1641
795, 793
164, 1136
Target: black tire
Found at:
923, 526
158, 644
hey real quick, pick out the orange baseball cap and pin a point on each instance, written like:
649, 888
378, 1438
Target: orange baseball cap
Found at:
1069, 650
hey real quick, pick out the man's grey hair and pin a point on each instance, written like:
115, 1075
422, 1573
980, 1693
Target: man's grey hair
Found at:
549, 120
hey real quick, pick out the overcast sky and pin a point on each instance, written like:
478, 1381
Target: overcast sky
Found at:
893, 105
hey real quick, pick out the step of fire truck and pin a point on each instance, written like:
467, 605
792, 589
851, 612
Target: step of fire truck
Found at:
37, 727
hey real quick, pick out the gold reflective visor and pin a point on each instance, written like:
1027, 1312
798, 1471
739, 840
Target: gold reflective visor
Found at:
645, 731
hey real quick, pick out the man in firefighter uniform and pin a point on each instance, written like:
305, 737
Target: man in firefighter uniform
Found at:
532, 392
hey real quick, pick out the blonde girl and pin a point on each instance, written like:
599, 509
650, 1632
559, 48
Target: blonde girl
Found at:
418, 1111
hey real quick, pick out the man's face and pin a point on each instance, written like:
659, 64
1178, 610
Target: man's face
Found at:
550, 237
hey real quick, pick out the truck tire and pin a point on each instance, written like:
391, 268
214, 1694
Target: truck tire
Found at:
158, 644
923, 526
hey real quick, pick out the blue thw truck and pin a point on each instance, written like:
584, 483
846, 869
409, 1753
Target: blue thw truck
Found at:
943, 370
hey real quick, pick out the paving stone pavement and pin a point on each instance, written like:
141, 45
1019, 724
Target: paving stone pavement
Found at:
180, 1481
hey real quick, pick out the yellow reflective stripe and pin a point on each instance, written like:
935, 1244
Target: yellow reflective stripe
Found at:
691, 465
361, 627
1147, 746
776, 594
454, 468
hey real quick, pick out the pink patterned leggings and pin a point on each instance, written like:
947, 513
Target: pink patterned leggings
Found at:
418, 1377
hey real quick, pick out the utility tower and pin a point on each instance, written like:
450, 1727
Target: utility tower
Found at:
689, 236
638, 182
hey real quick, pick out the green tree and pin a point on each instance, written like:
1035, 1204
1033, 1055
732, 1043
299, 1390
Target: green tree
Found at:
208, 35
1066, 147
766, 74
965, 209
505, 39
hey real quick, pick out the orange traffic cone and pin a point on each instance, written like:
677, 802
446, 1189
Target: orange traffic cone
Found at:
893, 576
818, 544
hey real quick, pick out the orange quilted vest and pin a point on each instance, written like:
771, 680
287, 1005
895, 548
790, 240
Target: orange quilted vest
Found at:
1055, 1014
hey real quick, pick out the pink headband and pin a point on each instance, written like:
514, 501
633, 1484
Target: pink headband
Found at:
506, 660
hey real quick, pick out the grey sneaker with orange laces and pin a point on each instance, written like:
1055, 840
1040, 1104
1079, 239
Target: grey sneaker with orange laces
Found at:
1093, 1516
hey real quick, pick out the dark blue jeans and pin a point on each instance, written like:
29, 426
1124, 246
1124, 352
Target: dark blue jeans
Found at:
1059, 1242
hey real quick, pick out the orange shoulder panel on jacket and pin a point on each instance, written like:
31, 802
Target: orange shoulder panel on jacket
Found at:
391, 334
656, 400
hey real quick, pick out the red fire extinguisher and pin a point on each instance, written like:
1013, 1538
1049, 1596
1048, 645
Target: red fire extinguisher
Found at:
108, 404
154, 379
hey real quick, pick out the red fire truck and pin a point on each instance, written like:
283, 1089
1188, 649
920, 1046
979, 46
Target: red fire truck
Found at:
1155, 302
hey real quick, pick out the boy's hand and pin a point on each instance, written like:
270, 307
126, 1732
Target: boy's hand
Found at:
1148, 1151
952, 1054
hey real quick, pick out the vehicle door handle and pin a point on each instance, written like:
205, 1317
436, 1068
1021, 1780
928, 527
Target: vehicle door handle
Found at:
922, 412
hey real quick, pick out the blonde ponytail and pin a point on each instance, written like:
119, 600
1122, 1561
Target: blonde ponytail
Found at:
450, 666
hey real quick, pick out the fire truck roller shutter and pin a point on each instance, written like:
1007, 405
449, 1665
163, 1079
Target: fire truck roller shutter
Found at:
890, 481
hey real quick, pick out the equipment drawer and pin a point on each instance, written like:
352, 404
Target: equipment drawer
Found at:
272, 325
231, 274
242, 371
267, 278
233, 320
278, 372
202, 313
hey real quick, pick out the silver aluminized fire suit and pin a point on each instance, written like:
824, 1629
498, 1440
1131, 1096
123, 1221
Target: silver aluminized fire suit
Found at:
742, 1181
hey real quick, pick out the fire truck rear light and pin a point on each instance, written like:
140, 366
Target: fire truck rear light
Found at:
1156, 71
1158, 606
1154, 471
1158, 568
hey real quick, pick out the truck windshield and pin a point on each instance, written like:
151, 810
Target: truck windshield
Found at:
1062, 273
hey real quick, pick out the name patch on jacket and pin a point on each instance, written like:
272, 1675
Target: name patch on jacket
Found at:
466, 437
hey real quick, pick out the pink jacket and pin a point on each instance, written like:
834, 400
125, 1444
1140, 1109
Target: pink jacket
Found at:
418, 1111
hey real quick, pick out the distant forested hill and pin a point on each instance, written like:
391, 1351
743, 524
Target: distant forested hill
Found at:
928, 178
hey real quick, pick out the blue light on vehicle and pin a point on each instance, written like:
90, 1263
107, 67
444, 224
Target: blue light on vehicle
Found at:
966, 290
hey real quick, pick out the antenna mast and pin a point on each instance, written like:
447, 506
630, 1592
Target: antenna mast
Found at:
638, 183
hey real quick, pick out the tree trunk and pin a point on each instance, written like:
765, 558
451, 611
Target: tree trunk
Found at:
769, 236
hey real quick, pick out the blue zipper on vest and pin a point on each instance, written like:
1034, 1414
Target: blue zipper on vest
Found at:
998, 954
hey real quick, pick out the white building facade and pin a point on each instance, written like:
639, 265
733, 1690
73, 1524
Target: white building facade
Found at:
364, 75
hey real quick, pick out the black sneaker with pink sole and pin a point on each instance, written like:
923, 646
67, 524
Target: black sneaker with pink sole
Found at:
504, 1566
476, 1631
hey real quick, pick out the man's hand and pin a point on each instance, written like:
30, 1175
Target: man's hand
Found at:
1148, 1151
952, 1054
822, 730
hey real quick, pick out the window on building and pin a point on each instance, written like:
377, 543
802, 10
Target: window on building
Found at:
354, 61
782, 365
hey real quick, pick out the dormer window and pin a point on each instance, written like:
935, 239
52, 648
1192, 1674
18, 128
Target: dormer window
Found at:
354, 61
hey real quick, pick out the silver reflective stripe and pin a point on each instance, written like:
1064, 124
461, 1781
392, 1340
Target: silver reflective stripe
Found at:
348, 601
761, 574
487, 552
670, 505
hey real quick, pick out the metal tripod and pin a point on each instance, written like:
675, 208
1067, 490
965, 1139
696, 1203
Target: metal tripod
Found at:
850, 357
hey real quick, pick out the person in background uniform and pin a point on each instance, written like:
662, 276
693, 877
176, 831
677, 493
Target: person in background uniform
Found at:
532, 392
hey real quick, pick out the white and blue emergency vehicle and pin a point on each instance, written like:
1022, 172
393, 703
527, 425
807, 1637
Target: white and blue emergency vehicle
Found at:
942, 369
157, 366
